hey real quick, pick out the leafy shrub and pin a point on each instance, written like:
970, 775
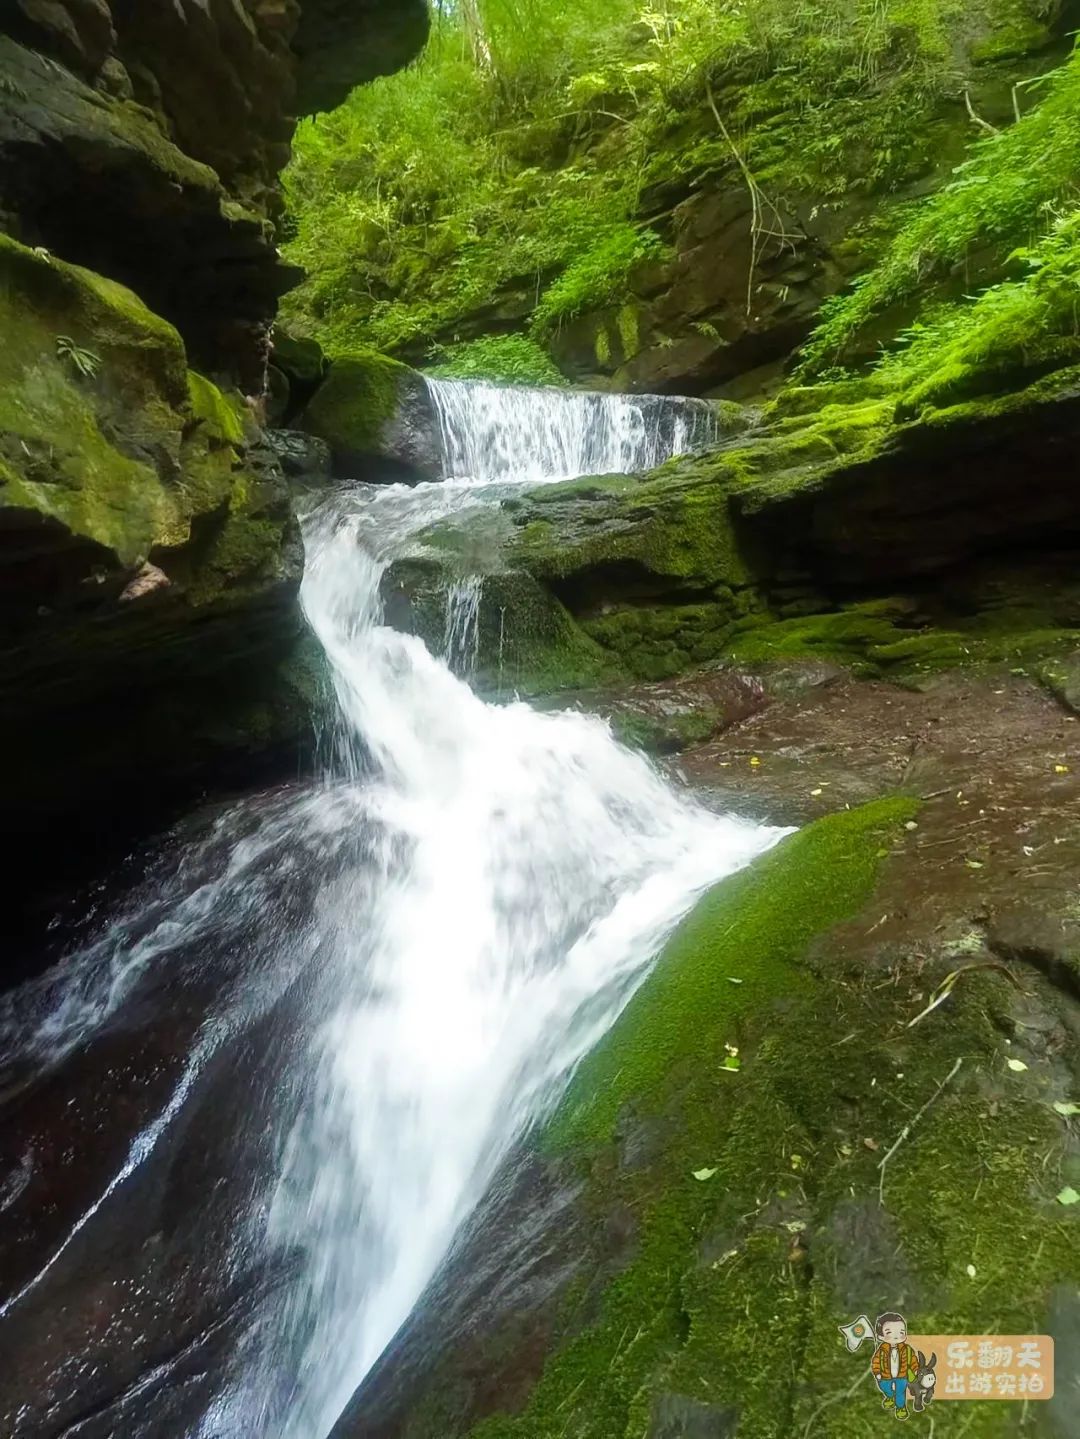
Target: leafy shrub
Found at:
599, 277
1011, 191
1026, 324
510, 359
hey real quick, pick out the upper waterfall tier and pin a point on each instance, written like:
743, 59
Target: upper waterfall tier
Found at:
500, 433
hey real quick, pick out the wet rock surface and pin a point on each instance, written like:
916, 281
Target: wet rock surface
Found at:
136, 1163
975, 901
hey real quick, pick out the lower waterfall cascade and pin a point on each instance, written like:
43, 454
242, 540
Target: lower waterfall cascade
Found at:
448, 918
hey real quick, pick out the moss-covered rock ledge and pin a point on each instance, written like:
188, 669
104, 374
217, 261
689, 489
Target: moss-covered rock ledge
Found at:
672, 1256
149, 563
833, 528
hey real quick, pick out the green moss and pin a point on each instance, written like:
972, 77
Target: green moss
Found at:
356, 402
736, 1281
75, 445
674, 527
629, 326
666, 733
597, 278
654, 642
750, 928
875, 639
138, 456
223, 419
242, 550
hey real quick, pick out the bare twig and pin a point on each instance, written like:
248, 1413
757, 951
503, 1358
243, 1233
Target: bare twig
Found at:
905, 1133
759, 203
945, 988
978, 119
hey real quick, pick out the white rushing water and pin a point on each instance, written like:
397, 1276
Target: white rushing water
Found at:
523, 436
532, 868
458, 909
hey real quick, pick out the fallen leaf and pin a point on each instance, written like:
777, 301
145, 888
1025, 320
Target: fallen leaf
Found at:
795, 1226
796, 1161
1066, 1109
732, 980
1068, 1195
703, 1174
1016, 1065
731, 1064
1061, 769
816, 791
754, 760
973, 864
911, 825
971, 1271
871, 1144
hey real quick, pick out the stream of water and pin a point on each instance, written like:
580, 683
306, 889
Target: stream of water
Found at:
455, 912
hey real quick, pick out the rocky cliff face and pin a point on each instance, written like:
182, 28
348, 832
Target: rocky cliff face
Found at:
149, 556
145, 140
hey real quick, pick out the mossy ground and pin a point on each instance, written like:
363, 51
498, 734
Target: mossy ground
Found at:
867, 638
783, 1093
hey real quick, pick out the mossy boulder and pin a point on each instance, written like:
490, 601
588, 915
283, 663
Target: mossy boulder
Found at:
378, 418
148, 547
107, 437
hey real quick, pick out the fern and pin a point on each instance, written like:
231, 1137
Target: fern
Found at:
85, 361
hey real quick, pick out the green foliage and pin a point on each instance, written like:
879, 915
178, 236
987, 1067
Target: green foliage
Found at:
599, 277
532, 156
1017, 188
509, 359
85, 361
1030, 323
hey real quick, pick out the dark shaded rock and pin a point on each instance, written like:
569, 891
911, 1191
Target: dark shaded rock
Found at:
111, 157
301, 359
378, 418
122, 1315
149, 565
519, 1252
275, 397
1061, 676
1064, 1325
343, 42
696, 321
300, 455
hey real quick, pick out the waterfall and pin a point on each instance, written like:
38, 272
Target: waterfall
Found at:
454, 913
497, 433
